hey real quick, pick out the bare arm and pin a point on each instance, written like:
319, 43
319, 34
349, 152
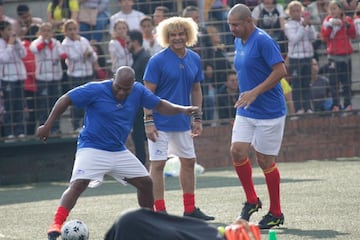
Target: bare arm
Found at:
196, 100
278, 72
167, 108
152, 88
196, 95
59, 108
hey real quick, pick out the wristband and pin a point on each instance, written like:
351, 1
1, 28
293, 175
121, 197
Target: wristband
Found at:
149, 123
148, 117
199, 120
197, 117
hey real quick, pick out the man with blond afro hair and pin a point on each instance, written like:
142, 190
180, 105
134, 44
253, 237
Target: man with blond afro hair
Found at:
175, 74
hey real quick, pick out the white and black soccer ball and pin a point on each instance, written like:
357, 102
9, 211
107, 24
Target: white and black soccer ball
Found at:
74, 230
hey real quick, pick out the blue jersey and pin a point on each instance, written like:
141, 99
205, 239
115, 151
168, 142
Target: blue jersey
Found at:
107, 122
253, 62
174, 78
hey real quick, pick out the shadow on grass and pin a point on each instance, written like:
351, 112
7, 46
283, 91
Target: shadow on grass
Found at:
53, 190
311, 234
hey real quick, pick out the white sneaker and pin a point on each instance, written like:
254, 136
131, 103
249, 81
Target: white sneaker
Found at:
21, 137
301, 111
10, 138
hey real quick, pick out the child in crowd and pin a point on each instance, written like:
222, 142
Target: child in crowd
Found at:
30, 84
120, 55
48, 54
100, 69
12, 76
80, 57
301, 35
337, 31
147, 28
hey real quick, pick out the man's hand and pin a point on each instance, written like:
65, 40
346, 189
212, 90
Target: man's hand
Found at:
191, 110
43, 132
196, 128
245, 99
151, 132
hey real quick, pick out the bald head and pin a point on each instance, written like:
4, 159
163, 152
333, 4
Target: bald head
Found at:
125, 74
241, 11
123, 82
240, 21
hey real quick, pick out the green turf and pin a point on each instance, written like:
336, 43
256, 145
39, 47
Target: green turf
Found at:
319, 200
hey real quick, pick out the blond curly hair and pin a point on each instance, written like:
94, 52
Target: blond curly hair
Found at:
175, 24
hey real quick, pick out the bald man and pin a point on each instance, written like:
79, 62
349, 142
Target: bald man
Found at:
111, 107
261, 111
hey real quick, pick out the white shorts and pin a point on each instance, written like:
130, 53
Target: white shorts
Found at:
180, 144
265, 135
93, 164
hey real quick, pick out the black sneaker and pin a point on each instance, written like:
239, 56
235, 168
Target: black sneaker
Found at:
53, 235
268, 221
197, 213
54, 232
249, 209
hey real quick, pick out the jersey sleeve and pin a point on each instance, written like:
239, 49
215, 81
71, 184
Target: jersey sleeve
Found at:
270, 50
83, 95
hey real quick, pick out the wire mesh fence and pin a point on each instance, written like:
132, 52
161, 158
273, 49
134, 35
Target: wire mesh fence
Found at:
332, 85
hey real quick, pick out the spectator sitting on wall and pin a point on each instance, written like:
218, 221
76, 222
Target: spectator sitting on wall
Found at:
320, 90
227, 97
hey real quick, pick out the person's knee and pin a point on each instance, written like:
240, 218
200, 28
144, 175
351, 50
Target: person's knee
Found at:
187, 163
79, 185
265, 161
157, 166
146, 183
142, 183
238, 152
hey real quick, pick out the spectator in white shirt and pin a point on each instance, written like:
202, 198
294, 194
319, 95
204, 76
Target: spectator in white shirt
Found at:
301, 35
150, 42
130, 15
119, 53
12, 75
80, 58
48, 54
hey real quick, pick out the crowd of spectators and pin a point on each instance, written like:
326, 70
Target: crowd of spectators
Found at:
87, 40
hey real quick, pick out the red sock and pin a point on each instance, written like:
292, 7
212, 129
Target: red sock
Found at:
159, 205
244, 172
189, 202
61, 214
272, 178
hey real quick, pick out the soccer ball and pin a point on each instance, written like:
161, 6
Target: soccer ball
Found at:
75, 230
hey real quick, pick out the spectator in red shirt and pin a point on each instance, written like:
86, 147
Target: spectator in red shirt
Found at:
337, 31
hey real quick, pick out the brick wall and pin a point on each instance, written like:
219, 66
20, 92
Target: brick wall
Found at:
307, 138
